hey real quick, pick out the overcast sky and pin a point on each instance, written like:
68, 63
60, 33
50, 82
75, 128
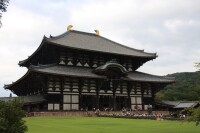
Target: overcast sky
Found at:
169, 27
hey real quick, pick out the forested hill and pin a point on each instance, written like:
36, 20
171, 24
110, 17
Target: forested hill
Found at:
187, 87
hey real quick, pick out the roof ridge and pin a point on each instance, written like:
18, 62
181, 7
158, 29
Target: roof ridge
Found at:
67, 32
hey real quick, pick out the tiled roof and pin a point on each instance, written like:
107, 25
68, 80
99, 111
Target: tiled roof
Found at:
93, 42
90, 42
186, 104
139, 76
66, 71
87, 73
172, 103
178, 104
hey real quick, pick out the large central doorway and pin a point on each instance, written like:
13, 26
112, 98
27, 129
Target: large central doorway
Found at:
120, 102
88, 102
105, 102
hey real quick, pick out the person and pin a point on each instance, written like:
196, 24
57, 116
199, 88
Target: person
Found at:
149, 109
123, 110
97, 111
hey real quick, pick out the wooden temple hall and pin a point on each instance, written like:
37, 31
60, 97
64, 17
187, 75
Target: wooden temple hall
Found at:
81, 71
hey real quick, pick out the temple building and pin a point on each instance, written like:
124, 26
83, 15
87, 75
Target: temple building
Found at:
78, 70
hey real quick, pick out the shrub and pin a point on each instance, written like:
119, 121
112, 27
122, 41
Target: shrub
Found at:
195, 116
11, 115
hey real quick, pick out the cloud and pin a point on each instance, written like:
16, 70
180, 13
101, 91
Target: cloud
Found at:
20, 36
170, 28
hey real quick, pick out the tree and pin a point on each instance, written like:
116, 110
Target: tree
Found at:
11, 115
186, 88
3, 8
195, 116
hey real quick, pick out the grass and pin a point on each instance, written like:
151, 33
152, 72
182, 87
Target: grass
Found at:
106, 125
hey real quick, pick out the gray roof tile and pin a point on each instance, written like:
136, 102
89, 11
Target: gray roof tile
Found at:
87, 73
93, 42
178, 104
144, 77
66, 71
186, 104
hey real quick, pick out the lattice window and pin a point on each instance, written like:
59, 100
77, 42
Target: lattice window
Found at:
53, 106
67, 98
66, 106
75, 98
57, 106
71, 102
75, 107
50, 106
133, 100
139, 100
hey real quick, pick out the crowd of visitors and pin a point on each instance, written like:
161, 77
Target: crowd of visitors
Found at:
127, 112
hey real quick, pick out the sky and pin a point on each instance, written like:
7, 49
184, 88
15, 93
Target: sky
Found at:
171, 28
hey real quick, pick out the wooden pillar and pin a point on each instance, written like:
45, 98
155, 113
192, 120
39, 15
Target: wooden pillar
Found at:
129, 102
61, 92
114, 101
97, 101
81, 82
142, 95
129, 89
115, 86
97, 93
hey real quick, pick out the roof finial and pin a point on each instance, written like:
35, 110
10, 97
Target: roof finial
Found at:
97, 32
69, 27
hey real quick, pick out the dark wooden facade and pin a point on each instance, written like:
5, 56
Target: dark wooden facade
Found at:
76, 77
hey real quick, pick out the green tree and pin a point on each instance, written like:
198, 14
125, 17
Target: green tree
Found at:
11, 115
186, 88
3, 8
195, 116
